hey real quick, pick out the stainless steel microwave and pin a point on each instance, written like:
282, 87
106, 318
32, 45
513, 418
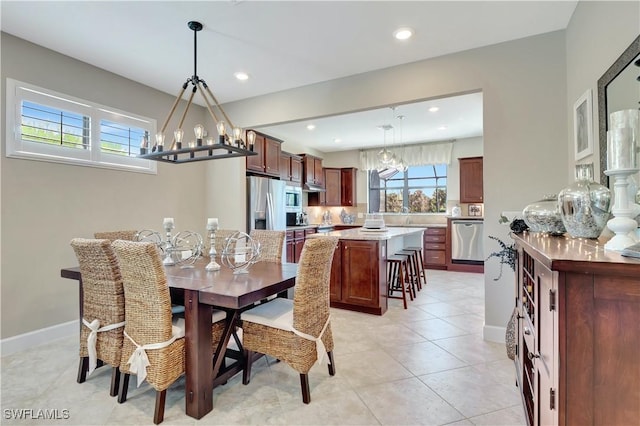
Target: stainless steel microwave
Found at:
293, 199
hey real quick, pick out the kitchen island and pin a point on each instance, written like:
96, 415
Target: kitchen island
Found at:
359, 269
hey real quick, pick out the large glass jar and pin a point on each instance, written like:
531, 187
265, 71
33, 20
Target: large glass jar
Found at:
544, 216
585, 205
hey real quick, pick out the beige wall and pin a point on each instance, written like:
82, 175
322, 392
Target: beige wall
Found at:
45, 205
524, 102
597, 35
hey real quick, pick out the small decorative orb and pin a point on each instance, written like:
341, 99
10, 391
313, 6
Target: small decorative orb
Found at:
240, 252
148, 236
186, 248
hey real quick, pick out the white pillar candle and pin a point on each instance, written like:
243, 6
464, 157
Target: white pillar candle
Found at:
168, 222
621, 148
212, 223
625, 118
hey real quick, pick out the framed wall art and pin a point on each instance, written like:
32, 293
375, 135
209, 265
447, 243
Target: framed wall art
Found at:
582, 126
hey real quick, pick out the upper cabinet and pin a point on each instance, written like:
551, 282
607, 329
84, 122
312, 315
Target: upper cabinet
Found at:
312, 175
471, 183
348, 187
340, 187
267, 162
291, 168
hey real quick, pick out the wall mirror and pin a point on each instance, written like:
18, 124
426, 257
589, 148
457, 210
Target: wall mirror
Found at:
618, 88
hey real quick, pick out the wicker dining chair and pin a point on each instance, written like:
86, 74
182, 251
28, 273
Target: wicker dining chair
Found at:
271, 244
150, 330
103, 313
296, 331
116, 235
221, 239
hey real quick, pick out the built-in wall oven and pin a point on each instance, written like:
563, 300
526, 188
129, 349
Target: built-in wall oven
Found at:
293, 199
466, 241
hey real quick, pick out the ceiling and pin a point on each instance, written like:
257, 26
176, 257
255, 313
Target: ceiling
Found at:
283, 45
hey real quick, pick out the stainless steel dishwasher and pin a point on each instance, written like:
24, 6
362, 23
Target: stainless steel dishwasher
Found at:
466, 241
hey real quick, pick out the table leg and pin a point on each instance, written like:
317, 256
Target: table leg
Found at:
198, 356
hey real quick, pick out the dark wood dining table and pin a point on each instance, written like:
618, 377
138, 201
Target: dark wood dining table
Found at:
200, 291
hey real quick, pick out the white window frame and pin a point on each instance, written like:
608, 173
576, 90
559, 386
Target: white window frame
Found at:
16, 147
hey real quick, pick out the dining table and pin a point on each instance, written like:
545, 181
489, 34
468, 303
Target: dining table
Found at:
200, 291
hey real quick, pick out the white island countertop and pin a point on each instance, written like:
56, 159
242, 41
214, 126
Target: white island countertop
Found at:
370, 235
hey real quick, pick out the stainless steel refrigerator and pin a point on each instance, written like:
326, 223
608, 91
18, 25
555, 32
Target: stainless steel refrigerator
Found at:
265, 204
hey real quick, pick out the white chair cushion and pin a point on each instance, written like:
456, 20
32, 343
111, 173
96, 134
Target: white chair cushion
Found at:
218, 315
177, 327
277, 313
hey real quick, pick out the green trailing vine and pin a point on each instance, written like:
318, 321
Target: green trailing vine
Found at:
508, 253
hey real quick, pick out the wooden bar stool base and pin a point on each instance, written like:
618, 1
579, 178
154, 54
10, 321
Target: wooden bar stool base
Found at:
396, 272
421, 269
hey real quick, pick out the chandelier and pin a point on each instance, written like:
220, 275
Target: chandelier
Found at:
202, 147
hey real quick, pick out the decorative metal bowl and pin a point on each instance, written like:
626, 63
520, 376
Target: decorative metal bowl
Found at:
240, 252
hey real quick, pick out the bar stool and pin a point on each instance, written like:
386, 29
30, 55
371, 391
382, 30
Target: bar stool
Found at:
397, 270
412, 267
419, 257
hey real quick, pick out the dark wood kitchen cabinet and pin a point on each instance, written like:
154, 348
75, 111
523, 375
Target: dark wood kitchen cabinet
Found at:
471, 180
294, 243
312, 171
267, 162
348, 185
578, 322
291, 168
358, 277
434, 242
340, 185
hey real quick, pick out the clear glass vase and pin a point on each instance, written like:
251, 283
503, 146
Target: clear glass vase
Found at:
585, 205
544, 216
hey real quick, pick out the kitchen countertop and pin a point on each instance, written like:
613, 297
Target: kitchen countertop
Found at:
358, 234
310, 226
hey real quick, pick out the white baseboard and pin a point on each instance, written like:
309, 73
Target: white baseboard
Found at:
31, 339
494, 334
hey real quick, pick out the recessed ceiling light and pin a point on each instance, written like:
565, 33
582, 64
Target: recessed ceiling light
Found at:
434, 109
242, 76
442, 128
403, 33
337, 140
310, 126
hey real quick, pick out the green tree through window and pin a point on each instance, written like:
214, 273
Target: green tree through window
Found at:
421, 189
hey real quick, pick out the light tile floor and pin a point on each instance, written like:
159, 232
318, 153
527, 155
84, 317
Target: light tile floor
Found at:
426, 365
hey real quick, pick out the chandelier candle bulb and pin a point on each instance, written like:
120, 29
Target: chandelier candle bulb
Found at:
212, 223
178, 134
251, 137
621, 148
222, 131
199, 131
160, 141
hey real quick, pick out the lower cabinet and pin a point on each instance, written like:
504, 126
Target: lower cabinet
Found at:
358, 276
295, 242
434, 241
578, 315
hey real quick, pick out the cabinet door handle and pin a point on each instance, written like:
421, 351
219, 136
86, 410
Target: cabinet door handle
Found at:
527, 331
531, 355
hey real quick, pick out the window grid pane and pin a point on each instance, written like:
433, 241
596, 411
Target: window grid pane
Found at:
421, 189
120, 139
47, 125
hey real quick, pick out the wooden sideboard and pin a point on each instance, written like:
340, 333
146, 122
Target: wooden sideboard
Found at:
578, 344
